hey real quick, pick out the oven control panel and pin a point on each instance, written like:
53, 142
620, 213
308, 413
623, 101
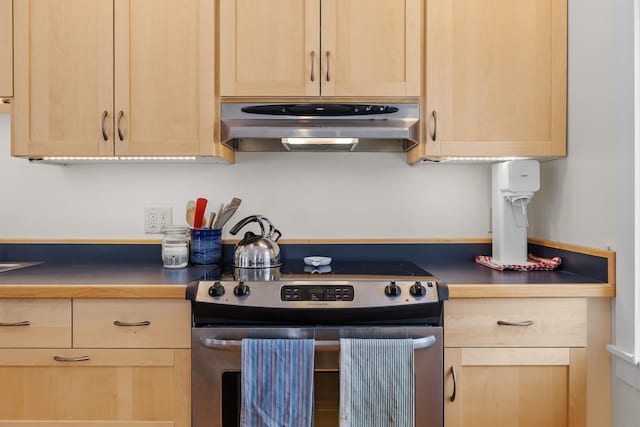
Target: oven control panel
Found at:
317, 293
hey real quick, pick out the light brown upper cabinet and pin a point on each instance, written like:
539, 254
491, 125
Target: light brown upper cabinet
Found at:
114, 77
6, 49
496, 79
320, 47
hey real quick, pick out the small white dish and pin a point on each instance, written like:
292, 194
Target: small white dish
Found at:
317, 261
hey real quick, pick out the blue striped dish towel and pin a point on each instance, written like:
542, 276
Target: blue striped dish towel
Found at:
377, 387
277, 383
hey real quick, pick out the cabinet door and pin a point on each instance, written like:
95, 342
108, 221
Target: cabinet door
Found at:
164, 82
63, 88
515, 387
6, 48
496, 74
270, 48
114, 388
371, 47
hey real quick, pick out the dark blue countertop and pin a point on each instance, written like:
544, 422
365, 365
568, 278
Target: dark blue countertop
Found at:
141, 264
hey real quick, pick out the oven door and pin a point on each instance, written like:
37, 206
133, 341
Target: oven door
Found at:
216, 370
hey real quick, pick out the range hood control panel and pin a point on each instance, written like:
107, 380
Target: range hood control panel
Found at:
320, 109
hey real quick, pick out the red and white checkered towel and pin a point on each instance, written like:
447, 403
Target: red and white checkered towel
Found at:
535, 263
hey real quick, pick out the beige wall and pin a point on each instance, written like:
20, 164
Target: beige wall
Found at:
587, 198
306, 195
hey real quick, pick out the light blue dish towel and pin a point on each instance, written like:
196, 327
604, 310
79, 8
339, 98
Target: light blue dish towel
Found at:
277, 383
377, 385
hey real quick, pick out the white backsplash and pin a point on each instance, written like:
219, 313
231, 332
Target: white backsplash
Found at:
306, 195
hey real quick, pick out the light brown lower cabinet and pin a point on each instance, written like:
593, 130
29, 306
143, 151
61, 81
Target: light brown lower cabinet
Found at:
112, 388
137, 377
527, 362
515, 387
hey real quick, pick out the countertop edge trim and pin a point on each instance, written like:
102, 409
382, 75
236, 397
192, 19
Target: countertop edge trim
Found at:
573, 248
160, 291
587, 290
541, 290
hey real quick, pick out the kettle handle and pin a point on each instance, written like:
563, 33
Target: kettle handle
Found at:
253, 218
275, 231
264, 219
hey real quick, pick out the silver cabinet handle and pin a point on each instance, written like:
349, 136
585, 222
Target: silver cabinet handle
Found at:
313, 65
71, 359
328, 67
525, 323
5, 100
455, 384
434, 114
105, 114
418, 343
120, 134
25, 323
143, 323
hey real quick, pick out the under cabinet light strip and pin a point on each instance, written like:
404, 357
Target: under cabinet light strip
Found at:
62, 158
484, 159
472, 159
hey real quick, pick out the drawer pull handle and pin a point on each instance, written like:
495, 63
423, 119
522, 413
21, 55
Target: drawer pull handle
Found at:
71, 359
453, 375
525, 323
25, 323
143, 323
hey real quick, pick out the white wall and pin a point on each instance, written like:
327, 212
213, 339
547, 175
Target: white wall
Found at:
575, 198
587, 198
306, 195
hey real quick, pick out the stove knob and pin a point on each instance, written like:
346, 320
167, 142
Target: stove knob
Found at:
217, 290
417, 290
241, 290
392, 290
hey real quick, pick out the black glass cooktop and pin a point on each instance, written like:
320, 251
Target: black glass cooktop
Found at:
297, 269
355, 268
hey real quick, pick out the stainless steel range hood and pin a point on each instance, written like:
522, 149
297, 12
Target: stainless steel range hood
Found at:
320, 127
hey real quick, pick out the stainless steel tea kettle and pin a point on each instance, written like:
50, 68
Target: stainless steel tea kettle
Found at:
257, 251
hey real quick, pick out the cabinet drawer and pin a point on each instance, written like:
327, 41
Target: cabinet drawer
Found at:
534, 322
34, 323
131, 324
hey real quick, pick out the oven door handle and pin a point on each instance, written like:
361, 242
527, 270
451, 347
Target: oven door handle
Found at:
214, 343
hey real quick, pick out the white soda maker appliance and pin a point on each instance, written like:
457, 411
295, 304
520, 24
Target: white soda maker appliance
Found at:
513, 186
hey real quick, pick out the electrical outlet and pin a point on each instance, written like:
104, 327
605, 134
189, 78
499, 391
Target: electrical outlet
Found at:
155, 219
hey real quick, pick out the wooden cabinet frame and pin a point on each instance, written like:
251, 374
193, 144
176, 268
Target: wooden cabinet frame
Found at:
495, 79
340, 59
115, 388
532, 396
116, 78
574, 366
139, 377
6, 50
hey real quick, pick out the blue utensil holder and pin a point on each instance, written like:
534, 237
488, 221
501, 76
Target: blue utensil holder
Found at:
206, 246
